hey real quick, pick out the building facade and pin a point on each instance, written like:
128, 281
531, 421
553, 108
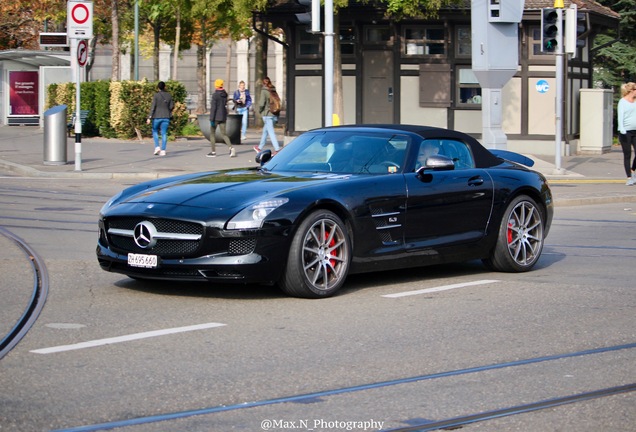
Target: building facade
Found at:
419, 72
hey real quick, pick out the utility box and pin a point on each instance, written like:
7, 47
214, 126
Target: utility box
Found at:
55, 135
597, 116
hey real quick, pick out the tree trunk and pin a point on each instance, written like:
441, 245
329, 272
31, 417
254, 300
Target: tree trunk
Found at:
114, 17
260, 69
203, 97
228, 64
177, 42
155, 54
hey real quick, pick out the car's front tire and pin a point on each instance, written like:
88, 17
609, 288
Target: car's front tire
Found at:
520, 238
319, 257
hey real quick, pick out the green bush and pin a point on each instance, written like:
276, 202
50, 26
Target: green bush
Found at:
119, 109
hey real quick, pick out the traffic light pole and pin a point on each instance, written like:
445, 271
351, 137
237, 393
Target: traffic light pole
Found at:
559, 94
329, 67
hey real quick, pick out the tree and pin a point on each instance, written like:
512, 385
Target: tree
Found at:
617, 58
214, 20
21, 22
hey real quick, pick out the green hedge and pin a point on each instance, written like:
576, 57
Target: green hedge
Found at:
119, 109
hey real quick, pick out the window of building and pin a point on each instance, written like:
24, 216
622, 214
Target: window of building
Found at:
347, 40
463, 45
468, 89
535, 42
308, 43
424, 41
377, 34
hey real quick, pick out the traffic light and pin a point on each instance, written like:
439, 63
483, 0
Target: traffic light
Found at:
550, 27
312, 14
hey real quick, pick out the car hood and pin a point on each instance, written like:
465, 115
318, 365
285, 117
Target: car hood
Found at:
224, 190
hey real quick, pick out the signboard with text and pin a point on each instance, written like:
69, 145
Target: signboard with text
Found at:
53, 40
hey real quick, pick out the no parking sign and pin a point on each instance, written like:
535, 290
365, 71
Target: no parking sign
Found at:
79, 21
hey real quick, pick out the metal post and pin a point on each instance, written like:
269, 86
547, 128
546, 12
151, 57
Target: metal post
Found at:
136, 58
329, 62
78, 120
559, 94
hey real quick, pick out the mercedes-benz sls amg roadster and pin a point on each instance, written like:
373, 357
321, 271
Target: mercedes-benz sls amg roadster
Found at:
333, 202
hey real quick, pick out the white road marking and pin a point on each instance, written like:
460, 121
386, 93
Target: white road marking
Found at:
440, 288
126, 338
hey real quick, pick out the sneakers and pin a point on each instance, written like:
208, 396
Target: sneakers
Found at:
211, 154
232, 152
157, 150
243, 137
630, 181
256, 149
162, 153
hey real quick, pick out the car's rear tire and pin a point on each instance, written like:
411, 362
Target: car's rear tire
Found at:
520, 238
319, 257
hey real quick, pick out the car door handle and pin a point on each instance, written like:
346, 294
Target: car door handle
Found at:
475, 181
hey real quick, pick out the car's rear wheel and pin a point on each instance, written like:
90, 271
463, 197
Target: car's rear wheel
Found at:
520, 239
319, 257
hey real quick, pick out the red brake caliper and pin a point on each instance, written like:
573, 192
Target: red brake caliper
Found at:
510, 225
331, 244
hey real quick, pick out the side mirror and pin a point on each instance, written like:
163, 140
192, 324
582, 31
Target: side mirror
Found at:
440, 163
263, 157
436, 163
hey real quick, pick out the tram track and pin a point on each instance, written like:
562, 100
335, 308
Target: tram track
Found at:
428, 425
37, 300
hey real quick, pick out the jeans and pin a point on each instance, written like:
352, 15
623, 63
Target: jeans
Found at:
245, 112
162, 123
268, 129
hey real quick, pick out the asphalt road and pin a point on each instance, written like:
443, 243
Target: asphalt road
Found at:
374, 357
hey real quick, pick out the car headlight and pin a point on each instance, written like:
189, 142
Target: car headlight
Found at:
252, 217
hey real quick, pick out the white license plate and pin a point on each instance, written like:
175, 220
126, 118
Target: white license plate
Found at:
141, 260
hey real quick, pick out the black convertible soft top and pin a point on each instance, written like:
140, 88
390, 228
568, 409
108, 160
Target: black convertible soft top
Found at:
483, 157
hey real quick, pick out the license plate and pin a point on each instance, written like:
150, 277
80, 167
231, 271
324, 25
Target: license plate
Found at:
141, 260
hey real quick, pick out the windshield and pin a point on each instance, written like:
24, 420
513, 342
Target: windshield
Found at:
343, 152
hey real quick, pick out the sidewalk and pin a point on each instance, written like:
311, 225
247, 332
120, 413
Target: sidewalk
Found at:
587, 179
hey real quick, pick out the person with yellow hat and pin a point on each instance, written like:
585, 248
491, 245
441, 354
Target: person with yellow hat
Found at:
218, 118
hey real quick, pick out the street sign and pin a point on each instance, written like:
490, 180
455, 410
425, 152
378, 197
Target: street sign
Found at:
79, 21
82, 52
58, 40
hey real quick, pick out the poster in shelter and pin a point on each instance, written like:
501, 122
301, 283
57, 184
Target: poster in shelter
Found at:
23, 97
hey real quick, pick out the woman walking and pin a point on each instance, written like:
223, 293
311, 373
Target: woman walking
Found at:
268, 117
627, 129
160, 113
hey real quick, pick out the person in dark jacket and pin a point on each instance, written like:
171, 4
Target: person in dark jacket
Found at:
218, 118
160, 113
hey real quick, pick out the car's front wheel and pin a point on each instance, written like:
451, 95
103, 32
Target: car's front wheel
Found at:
520, 237
319, 257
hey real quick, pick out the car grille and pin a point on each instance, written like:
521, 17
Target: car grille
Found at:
120, 239
164, 247
242, 246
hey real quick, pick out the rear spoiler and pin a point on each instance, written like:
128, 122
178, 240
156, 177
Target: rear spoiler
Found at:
512, 157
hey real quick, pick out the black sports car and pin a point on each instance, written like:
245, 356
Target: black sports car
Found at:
333, 202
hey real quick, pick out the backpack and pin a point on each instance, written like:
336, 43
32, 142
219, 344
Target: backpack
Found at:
274, 102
